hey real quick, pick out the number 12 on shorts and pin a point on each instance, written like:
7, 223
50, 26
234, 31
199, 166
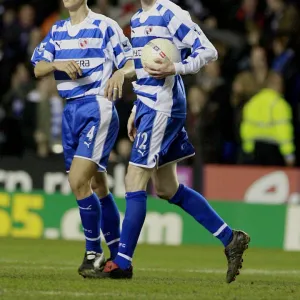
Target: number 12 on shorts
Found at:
141, 140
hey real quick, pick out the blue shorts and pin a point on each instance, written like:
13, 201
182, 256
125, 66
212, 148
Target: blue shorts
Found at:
160, 139
90, 127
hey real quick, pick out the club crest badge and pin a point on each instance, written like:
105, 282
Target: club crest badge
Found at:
148, 30
83, 43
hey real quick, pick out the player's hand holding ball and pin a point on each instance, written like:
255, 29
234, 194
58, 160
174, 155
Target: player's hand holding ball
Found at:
161, 68
158, 58
70, 67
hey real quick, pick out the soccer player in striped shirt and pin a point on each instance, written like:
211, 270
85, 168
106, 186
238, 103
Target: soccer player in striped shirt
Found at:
156, 127
81, 52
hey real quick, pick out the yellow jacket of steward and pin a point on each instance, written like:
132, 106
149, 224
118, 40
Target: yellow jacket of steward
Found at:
267, 117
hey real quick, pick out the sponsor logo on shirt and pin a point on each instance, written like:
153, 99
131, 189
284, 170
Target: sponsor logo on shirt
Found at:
83, 63
137, 52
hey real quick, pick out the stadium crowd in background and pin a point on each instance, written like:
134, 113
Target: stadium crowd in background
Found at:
256, 40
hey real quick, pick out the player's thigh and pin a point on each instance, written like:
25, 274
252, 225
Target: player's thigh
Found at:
81, 172
137, 178
99, 133
100, 184
69, 140
150, 137
165, 181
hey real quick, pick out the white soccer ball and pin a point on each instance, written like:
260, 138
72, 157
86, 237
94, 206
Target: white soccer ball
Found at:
160, 48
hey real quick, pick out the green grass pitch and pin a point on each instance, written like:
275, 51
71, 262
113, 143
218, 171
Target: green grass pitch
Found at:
45, 269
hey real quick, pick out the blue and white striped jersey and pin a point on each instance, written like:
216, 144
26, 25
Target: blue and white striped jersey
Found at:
167, 20
96, 44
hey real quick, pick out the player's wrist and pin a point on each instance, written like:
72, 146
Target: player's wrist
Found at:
54, 66
179, 68
173, 69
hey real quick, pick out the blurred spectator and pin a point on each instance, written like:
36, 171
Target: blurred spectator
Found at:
26, 25
283, 17
14, 100
9, 43
218, 94
124, 107
284, 56
247, 83
203, 125
48, 117
13, 104
123, 150
54, 17
266, 129
196, 9
248, 17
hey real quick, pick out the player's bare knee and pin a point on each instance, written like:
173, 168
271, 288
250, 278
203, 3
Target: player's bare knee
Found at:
165, 192
100, 188
137, 179
100, 185
79, 186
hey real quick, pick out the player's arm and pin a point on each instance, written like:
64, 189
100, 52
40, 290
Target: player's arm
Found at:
114, 87
43, 68
189, 35
202, 52
43, 57
120, 51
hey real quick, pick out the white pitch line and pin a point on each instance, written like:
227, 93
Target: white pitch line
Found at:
64, 293
70, 266
221, 271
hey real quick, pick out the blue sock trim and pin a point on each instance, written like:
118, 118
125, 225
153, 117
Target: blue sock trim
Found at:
199, 208
136, 203
106, 198
90, 213
110, 224
122, 262
226, 236
138, 196
177, 197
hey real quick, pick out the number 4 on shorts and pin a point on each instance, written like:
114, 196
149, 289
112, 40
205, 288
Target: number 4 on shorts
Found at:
90, 134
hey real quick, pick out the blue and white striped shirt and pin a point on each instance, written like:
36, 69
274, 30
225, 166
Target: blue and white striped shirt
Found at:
96, 44
167, 20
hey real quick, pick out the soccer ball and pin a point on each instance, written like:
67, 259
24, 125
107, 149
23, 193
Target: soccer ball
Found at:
160, 48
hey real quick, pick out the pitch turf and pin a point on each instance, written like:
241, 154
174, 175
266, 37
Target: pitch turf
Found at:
35, 269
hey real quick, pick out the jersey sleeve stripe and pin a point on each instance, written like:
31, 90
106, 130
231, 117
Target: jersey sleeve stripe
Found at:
168, 16
123, 62
47, 55
159, 7
182, 32
118, 50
